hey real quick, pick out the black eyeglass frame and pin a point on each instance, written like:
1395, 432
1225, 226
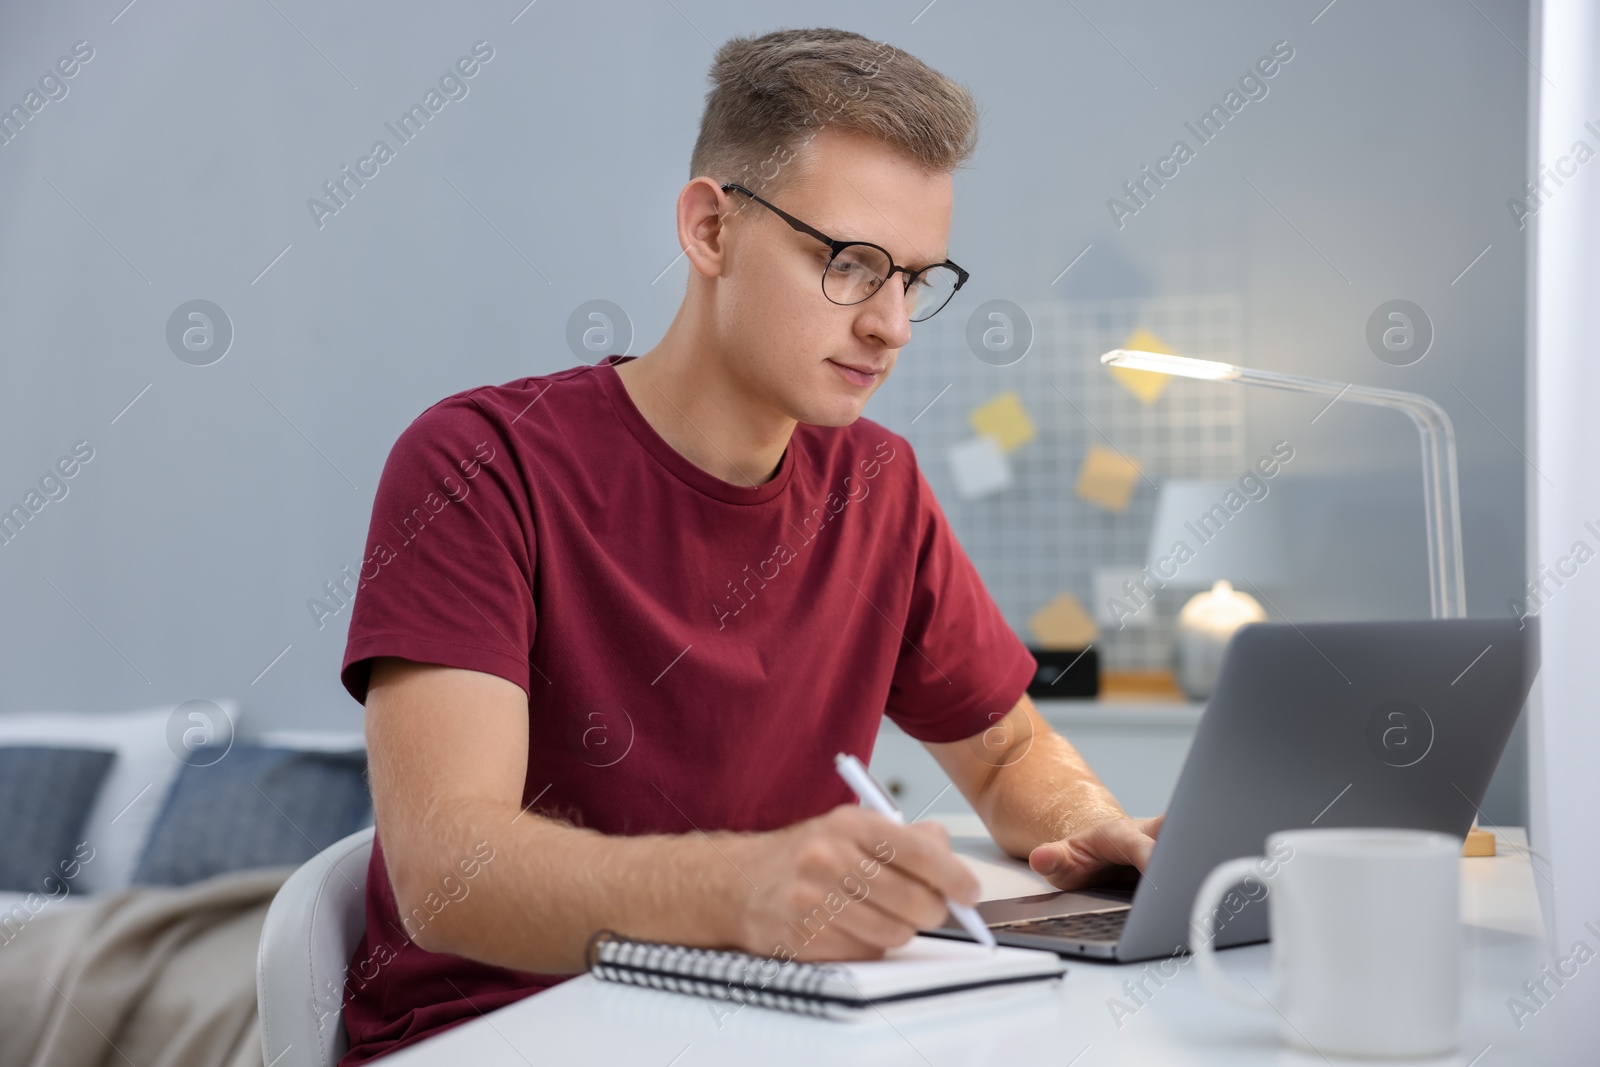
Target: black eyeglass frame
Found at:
837, 246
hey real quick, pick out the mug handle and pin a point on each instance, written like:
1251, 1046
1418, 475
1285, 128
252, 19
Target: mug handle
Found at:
1202, 935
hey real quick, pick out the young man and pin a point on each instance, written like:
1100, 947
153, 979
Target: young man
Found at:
615, 622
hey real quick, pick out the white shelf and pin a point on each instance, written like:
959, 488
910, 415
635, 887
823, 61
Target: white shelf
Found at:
1137, 747
1132, 713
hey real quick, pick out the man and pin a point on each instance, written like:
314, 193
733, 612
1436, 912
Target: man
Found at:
616, 621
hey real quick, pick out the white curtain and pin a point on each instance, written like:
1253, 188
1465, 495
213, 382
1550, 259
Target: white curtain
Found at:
1564, 433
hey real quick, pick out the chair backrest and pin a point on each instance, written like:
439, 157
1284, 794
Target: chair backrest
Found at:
309, 935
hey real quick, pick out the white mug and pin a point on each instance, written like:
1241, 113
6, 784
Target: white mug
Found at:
1366, 939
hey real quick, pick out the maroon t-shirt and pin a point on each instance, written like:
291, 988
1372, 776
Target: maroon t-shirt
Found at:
694, 651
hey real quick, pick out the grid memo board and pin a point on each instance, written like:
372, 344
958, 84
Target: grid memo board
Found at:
1036, 538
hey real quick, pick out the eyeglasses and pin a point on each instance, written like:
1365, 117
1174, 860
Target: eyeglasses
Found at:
857, 269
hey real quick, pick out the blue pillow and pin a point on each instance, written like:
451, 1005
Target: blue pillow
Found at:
257, 806
46, 794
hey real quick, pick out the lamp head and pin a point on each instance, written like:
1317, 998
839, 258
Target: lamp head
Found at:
1163, 363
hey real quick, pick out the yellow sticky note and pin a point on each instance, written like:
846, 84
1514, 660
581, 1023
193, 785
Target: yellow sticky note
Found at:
1144, 384
1107, 478
1004, 419
1063, 623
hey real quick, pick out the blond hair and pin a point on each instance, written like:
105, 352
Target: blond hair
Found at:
771, 94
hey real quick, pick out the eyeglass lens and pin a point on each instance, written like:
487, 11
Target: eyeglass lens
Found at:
858, 270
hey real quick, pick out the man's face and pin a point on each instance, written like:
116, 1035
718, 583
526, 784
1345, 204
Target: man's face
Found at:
783, 339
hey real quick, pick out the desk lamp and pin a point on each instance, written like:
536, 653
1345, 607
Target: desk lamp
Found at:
1440, 492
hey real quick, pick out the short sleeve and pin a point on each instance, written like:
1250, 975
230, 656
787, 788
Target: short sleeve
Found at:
961, 666
447, 576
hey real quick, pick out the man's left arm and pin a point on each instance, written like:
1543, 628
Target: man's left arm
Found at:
1040, 801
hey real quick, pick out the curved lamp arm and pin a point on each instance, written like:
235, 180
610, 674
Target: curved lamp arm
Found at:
1440, 483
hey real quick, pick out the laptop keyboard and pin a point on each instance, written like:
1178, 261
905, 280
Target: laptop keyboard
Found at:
1103, 926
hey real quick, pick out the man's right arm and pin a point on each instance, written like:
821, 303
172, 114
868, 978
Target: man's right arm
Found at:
448, 757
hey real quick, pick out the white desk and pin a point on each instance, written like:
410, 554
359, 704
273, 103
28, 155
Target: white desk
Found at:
588, 1021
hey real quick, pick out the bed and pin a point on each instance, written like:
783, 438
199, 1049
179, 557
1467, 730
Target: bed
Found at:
142, 852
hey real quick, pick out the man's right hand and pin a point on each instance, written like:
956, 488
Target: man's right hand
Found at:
448, 752
841, 886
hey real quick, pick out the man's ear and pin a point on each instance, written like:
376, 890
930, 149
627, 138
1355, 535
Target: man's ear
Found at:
703, 211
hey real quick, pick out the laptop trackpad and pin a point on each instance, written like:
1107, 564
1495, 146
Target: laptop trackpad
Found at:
1050, 905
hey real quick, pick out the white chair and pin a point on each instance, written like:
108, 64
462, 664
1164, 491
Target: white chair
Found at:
311, 930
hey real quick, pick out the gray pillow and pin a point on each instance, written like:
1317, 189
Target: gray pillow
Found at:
45, 794
257, 806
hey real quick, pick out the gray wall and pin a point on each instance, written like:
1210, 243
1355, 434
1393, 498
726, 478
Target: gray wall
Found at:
178, 165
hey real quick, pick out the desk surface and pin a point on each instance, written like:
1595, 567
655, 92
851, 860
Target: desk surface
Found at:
589, 1021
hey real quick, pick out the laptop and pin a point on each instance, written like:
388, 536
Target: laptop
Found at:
1345, 724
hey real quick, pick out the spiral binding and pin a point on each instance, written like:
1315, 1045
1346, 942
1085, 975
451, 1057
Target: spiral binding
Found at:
718, 973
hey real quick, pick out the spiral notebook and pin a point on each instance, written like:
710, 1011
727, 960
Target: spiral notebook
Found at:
921, 968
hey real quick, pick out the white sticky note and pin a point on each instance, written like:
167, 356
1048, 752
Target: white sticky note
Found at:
1115, 607
980, 467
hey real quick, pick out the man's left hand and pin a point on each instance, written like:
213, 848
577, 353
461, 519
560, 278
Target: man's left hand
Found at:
1104, 854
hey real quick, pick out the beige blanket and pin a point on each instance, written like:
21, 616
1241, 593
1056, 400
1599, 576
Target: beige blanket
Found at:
150, 976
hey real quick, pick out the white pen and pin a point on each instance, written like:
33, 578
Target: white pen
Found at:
873, 796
